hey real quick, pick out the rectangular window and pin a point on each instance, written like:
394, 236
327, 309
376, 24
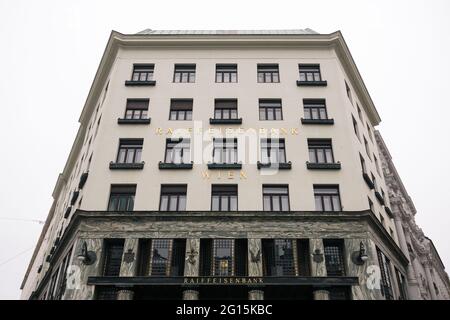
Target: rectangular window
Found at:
137, 109
122, 198
320, 151
270, 109
275, 198
142, 72
401, 282
315, 109
285, 257
327, 198
225, 150
349, 92
366, 146
181, 109
359, 113
268, 73
309, 72
273, 151
355, 127
225, 109
369, 130
178, 151
223, 257
112, 257
130, 150
184, 73
173, 198
385, 269
226, 72
363, 164
377, 165
374, 180
224, 197
334, 257
161, 257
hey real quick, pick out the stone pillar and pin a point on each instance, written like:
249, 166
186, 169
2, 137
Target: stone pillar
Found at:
415, 293
321, 294
125, 294
128, 268
317, 258
411, 283
430, 281
256, 295
191, 267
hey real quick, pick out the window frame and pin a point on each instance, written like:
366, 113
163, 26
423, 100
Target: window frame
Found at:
188, 110
127, 146
178, 195
271, 196
272, 105
184, 69
313, 69
315, 104
175, 146
222, 145
268, 70
149, 75
229, 69
266, 144
320, 145
317, 187
122, 192
224, 195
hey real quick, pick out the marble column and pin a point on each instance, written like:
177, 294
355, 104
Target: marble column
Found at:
430, 281
125, 294
317, 258
412, 283
191, 267
255, 268
128, 268
321, 294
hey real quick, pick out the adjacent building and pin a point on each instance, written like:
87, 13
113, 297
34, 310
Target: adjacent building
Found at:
230, 164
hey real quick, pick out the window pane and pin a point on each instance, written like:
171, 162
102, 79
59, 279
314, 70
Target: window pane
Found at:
266, 203
276, 203
177, 77
192, 77
262, 114
307, 113
121, 158
233, 203
184, 77
302, 76
164, 203
188, 115
261, 77
173, 115
215, 203
278, 114
112, 204
218, 114
284, 203
233, 77
138, 155
224, 203
318, 201
182, 203
336, 203
130, 156
329, 156
181, 115
275, 77
129, 114
233, 114
173, 203
320, 156
218, 77
314, 113
327, 203
312, 156
323, 114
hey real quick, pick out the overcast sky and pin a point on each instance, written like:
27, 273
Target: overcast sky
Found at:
50, 52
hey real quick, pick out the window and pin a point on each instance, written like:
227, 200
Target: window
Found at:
374, 180
401, 282
122, 198
177, 151
320, 151
363, 163
184, 73
327, 198
369, 130
315, 109
62, 278
142, 72
273, 151
385, 269
224, 197
355, 127
130, 150
349, 92
226, 72
270, 109
371, 205
161, 257
377, 165
223, 257
359, 113
225, 150
275, 198
285, 257
225, 109
366, 146
309, 73
173, 198
382, 220
112, 257
268, 73
334, 257
136, 109
181, 109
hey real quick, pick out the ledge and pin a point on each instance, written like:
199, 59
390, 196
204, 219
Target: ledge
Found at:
318, 121
280, 166
368, 180
175, 166
83, 180
74, 197
140, 83
133, 121
323, 166
322, 83
225, 121
379, 197
213, 166
126, 166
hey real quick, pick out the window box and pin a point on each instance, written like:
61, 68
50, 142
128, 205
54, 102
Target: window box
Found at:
368, 180
325, 166
169, 165
225, 121
389, 212
126, 166
133, 121
74, 197
379, 197
281, 166
213, 166
322, 83
67, 213
140, 83
83, 180
317, 121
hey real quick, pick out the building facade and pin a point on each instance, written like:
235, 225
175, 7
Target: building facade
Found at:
226, 164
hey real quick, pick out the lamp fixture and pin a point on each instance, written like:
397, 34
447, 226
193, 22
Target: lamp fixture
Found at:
86, 257
360, 257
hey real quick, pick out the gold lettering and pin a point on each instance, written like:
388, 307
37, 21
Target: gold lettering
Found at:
273, 131
242, 175
205, 175
229, 131
169, 131
262, 131
294, 131
230, 175
159, 131
225, 280
283, 131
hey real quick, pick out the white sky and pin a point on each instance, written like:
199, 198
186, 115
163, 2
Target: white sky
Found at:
50, 51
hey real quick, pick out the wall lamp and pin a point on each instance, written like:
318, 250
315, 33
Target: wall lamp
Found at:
86, 257
360, 257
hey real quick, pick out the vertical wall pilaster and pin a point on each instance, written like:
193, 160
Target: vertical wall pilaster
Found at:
255, 267
192, 267
317, 258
